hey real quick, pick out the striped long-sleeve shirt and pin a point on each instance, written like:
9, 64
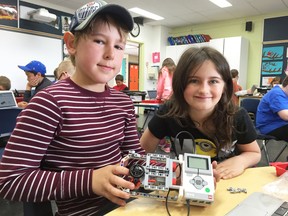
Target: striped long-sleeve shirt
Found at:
63, 134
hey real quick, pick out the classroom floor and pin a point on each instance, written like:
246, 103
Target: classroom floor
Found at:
16, 208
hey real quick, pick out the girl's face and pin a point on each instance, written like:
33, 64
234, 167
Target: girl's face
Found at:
204, 89
98, 57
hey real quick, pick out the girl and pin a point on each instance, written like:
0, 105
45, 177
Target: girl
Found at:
202, 105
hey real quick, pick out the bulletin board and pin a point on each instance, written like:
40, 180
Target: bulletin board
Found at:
274, 62
275, 50
20, 48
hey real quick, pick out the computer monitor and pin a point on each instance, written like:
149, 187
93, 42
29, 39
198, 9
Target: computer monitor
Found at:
7, 99
152, 94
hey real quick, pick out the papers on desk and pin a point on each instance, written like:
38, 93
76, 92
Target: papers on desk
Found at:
136, 98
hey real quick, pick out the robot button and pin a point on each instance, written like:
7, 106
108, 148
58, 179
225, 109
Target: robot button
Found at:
198, 182
207, 190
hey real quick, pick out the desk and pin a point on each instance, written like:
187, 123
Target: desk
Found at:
152, 107
253, 179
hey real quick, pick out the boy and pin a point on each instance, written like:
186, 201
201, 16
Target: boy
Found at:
35, 72
5, 83
120, 86
64, 70
69, 140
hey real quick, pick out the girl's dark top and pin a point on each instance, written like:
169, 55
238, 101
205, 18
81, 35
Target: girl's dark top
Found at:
243, 133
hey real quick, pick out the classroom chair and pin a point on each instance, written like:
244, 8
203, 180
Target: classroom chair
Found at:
251, 105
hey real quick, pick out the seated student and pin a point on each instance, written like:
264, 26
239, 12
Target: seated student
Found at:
64, 70
120, 86
237, 89
275, 81
272, 112
5, 83
201, 105
35, 72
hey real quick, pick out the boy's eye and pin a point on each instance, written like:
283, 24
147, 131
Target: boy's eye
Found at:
119, 47
99, 41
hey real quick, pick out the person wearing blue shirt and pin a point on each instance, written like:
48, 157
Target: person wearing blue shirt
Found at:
272, 113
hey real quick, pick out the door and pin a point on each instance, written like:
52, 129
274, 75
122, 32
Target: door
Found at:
133, 77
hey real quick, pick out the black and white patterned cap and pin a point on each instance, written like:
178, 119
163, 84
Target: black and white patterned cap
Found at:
87, 12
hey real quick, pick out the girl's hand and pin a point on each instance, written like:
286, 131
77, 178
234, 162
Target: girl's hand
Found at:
105, 182
215, 173
230, 168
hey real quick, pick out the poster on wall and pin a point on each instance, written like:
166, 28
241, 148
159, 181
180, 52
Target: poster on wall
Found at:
272, 68
267, 80
65, 20
272, 60
273, 53
9, 13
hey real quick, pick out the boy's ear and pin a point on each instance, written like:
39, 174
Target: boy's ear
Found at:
69, 41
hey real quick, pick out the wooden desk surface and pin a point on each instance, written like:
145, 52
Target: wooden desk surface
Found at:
252, 179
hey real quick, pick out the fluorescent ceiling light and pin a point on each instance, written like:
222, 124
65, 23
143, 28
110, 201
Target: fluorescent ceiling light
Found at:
145, 13
221, 3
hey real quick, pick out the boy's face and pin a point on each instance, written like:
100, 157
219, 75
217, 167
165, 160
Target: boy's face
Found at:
119, 82
98, 56
33, 79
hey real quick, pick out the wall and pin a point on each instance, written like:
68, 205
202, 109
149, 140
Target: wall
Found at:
21, 48
233, 28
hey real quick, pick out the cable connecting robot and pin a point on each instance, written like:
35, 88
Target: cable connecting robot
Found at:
159, 173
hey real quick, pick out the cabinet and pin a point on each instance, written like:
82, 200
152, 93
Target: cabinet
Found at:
176, 51
235, 50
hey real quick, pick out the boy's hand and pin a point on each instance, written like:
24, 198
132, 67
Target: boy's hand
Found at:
32, 83
22, 104
105, 181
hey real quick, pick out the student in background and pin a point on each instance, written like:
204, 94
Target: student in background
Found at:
164, 91
164, 84
5, 83
120, 86
272, 113
35, 72
65, 69
236, 86
69, 140
201, 105
275, 81
237, 89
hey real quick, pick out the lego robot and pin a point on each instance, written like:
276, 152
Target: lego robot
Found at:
160, 174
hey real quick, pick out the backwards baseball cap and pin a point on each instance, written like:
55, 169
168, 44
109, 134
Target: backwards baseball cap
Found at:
34, 66
87, 12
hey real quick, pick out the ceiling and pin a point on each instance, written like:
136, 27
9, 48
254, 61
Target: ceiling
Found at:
187, 12
190, 12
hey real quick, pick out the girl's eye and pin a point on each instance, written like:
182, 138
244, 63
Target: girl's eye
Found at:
214, 81
193, 81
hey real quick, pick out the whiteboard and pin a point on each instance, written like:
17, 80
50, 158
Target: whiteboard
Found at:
21, 48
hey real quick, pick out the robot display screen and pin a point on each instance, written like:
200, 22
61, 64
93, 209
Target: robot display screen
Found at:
198, 163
